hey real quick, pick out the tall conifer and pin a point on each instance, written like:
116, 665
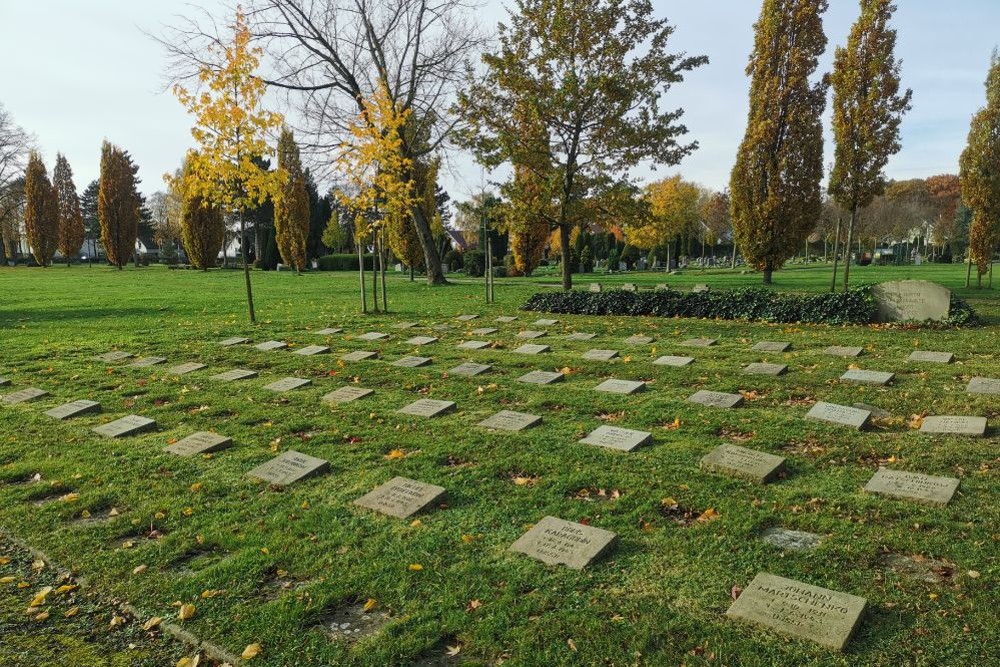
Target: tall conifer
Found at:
291, 209
41, 211
117, 205
71, 230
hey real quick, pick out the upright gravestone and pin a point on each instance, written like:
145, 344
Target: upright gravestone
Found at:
906, 300
595, 287
759, 467
401, 497
202, 442
614, 437
23, 396
558, 542
289, 467
913, 486
125, 426
954, 425
76, 408
839, 414
427, 407
347, 394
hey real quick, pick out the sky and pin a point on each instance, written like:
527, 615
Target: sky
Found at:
76, 72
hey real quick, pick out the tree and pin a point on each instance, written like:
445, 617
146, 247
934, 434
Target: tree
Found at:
203, 228
11, 216
41, 211
403, 238
589, 76
230, 128
673, 210
71, 231
334, 237
529, 231
118, 205
15, 145
291, 209
715, 214
775, 184
980, 175
91, 217
945, 197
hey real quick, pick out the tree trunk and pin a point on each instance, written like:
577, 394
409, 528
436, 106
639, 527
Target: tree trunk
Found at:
847, 247
567, 275
768, 274
968, 272
836, 255
246, 269
374, 272
411, 274
382, 261
431, 258
732, 264
361, 274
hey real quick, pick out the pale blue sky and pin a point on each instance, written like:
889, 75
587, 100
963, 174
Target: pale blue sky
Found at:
93, 75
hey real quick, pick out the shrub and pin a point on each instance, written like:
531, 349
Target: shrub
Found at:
453, 259
345, 262
475, 263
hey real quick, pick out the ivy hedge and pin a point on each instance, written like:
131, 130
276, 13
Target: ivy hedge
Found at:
755, 304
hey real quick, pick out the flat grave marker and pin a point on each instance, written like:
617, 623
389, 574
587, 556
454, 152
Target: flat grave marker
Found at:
671, 360
359, 355
800, 610
234, 375
427, 408
700, 342
146, 362
125, 426
466, 318
841, 351
701, 287
405, 325
329, 331
877, 412
311, 350
600, 355
792, 540
23, 396
469, 369
581, 336
867, 377
839, 414
531, 335
765, 369
716, 399
558, 542
545, 323
235, 340
73, 409
421, 340
473, 345
373, 336
401, 497
638, 339
484, 331
111, 357
954, 425
983, 386
412, 362
627, 387
347, 394
615, 437
630, 287
595, 287
925, 356
269, 345
4, 381
184, 369
541, 377
533, 349
506, 319
202, 442
508, 420
750, 464
928, 489
771, 346
288, 468
287, 384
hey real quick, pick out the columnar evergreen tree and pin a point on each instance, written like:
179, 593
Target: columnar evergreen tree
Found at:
41, 211
867, 111
980, 175
118, 205
775, 184
291, 208
203, 228
71, 231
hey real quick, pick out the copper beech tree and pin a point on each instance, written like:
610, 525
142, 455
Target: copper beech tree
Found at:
71, 231
41, 211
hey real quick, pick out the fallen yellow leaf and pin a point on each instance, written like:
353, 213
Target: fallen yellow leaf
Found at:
251, 651
116, 621
70, 613
395, 454
66, 589
152, 623
187, 611
42, 617
416, 567
370, 604
40, 596
140, 569
7, 580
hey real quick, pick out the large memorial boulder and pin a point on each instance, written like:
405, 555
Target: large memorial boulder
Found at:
911, 300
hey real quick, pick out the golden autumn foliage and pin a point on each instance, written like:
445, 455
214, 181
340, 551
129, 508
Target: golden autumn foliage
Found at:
117, 205
71, 230
673, 211
41, 211
980, 174
291, 209
203, 228
402, 232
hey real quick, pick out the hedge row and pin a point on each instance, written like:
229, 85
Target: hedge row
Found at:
755, 304
345, 262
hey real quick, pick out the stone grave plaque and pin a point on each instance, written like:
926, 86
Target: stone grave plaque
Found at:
111, 357
271, 345
595, 287
700, 342
614, 437
427, 407
533, 349
373, 335
412, 362
147, 362
125, 426
505, 319
360, 355
913, 486
484, 331
613, 386
800, 610
600, 355
541, 377
765, 369
404, 325
791, 540
184, 369
466, 318
906, 300
202, 442
287, 384
545, 323
4, 381
421, 340
630, 287
329, 331
701, 287
508, 420
473, 345
235, 340
661, 287
289, 467
840, 351
983, 386
234, 375
954, 425
23, 396
581, 336
347, 394
931, 357
531, 335
401, 497
638, 340
670, 360
73, 409
839, 414
877, 412
469, 369
867, 377
771, 346
311, 350
744, 463
558, 542
716, 399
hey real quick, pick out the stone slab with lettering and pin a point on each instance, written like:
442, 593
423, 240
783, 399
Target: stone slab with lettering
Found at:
184, 369
531, 335
287, 384
671, 360
954, 425
473, 345
800, 610
638, 339
360, 355
541, 377
558, 542
484, 331
347, 394
289, 467
744, 463
716, 399
373, 335
23, 396
581, 336
765, 369
202, 442
412, 362
146, 362
311, 350
401, 497
983, 386
421, 340
269, 345
469, 369
600, 355
73, 409
867, 377
907, 300
839, 414
771, 346
329, 331
841, 351
931, 357
125, 426
533, 349
700, 342
928, 489
113, 356
235, 340
466, 318
545, 323
791, 540
508, 420
404, 325
427, 407
234, 375
614, 437
506, 319
613, 386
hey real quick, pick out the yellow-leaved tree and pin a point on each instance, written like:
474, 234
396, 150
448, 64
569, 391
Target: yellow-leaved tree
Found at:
673, 206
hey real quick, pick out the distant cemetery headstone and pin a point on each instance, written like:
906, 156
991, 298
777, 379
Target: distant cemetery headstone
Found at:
359, 355
558, 542
427, 407
147, 362
311, 350
867, 377
111, 357
791, 540
473, 345
401, 497
629, 287
595, 287
661, 287
613, 386
466, 318
23, 396
541, 377
235, 375
202, 442
913, 486
800, 610
421, 340
600, 355
469, 369
700, 342
954, 425
614, 437
329, 331
907, 300
73, 409
701, 287
508, 420
581, 336
771, 346
545, 323
533, 349
184, 369
287, 384
505, 319
125, 426
269, 345
839, 414
759, 467
373, 335
671, 360
235, 340
765, 369
412, 362
638, 339
716, 399
347, 394
840, 351
288, 468
531, 335
931, 357
983, 386
484, 331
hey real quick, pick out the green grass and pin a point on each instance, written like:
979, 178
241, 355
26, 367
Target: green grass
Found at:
659, 600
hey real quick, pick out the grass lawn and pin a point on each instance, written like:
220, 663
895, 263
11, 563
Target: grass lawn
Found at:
279, 567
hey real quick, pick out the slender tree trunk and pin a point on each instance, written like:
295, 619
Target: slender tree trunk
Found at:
836, 255
382, 261
374, 273
768, 276
246, 269
567, 274
411, 274
847, 250
361, 274
732, 264
431, 258
968, 272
